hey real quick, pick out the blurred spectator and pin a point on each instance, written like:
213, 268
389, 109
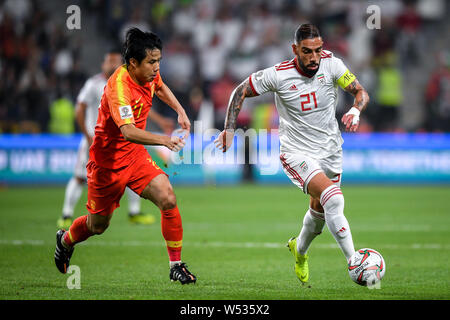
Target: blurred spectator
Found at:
62, 116
409, 41
212, 62
389, 93
115, 15
178, 64
136, 21
19, 11
32, 106
220, 95
214, 45
201, 109
437, 96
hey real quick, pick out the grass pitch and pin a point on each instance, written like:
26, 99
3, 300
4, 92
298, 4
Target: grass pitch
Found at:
234, 241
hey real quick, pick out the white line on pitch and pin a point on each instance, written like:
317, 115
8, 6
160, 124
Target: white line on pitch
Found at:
257, 245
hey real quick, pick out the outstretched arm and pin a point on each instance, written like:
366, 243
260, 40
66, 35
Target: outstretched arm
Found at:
166, 96
351, 118
237, 98
136, 135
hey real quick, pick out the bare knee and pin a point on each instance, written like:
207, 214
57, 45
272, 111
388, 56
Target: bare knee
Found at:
98, 225
315, 205
169, 201
99, 228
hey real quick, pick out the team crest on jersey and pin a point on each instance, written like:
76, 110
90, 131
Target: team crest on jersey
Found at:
321, 78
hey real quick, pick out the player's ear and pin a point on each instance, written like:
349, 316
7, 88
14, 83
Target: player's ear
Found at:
294, 49
133, 62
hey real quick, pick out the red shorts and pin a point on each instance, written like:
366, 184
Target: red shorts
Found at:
106, 186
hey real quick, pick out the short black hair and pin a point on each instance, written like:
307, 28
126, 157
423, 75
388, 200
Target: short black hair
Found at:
306, 31
137, 42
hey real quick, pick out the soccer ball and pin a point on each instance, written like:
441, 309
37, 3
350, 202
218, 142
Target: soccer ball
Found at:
366, 267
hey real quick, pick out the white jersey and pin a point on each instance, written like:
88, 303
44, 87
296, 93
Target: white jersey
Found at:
306, 105
91, 94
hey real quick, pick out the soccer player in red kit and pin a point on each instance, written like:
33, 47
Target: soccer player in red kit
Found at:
118, 158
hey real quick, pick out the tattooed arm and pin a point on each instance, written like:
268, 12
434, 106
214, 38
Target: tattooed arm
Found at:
351, 118
235, 104
234, 107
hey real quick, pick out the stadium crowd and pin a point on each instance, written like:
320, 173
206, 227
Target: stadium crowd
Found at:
210, 46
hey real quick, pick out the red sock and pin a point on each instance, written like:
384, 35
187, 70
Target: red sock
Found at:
172, 231
78, 231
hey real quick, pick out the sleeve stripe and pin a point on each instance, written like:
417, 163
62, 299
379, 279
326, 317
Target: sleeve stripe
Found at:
251, 85
120, 92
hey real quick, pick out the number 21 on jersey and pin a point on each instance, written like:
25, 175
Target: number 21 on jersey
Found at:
305, 100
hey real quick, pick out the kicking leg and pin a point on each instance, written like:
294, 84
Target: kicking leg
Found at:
82, 228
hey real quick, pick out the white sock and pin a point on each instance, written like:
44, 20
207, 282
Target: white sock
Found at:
134, 202
332, 202
73, 194
313, 224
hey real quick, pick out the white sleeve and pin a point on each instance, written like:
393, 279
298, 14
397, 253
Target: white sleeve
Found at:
263, 81
337, 67
86, 92
340, 73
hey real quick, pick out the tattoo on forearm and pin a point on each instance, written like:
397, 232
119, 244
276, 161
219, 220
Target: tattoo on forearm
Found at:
235, 104
360, 94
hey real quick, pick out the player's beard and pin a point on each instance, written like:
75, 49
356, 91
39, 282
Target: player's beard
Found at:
309, 72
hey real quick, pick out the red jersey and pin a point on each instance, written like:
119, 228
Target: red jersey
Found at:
123, 102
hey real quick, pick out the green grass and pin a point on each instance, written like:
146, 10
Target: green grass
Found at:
234, 242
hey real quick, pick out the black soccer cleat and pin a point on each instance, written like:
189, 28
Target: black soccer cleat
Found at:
181, 273
62, 255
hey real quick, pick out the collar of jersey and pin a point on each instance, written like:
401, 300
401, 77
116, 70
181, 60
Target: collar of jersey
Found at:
300, 70
147, 85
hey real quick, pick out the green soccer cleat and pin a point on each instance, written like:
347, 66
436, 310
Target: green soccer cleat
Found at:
141, 218
64, 223
301, 261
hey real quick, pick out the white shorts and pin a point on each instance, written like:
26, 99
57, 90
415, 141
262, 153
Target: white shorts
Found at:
301, 169
82, 159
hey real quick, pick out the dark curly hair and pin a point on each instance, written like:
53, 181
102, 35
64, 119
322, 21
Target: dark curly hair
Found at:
137, 42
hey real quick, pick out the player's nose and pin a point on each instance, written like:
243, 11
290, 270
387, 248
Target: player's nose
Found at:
156, 67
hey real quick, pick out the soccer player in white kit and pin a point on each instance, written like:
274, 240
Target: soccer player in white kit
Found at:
88, 101
305, 89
